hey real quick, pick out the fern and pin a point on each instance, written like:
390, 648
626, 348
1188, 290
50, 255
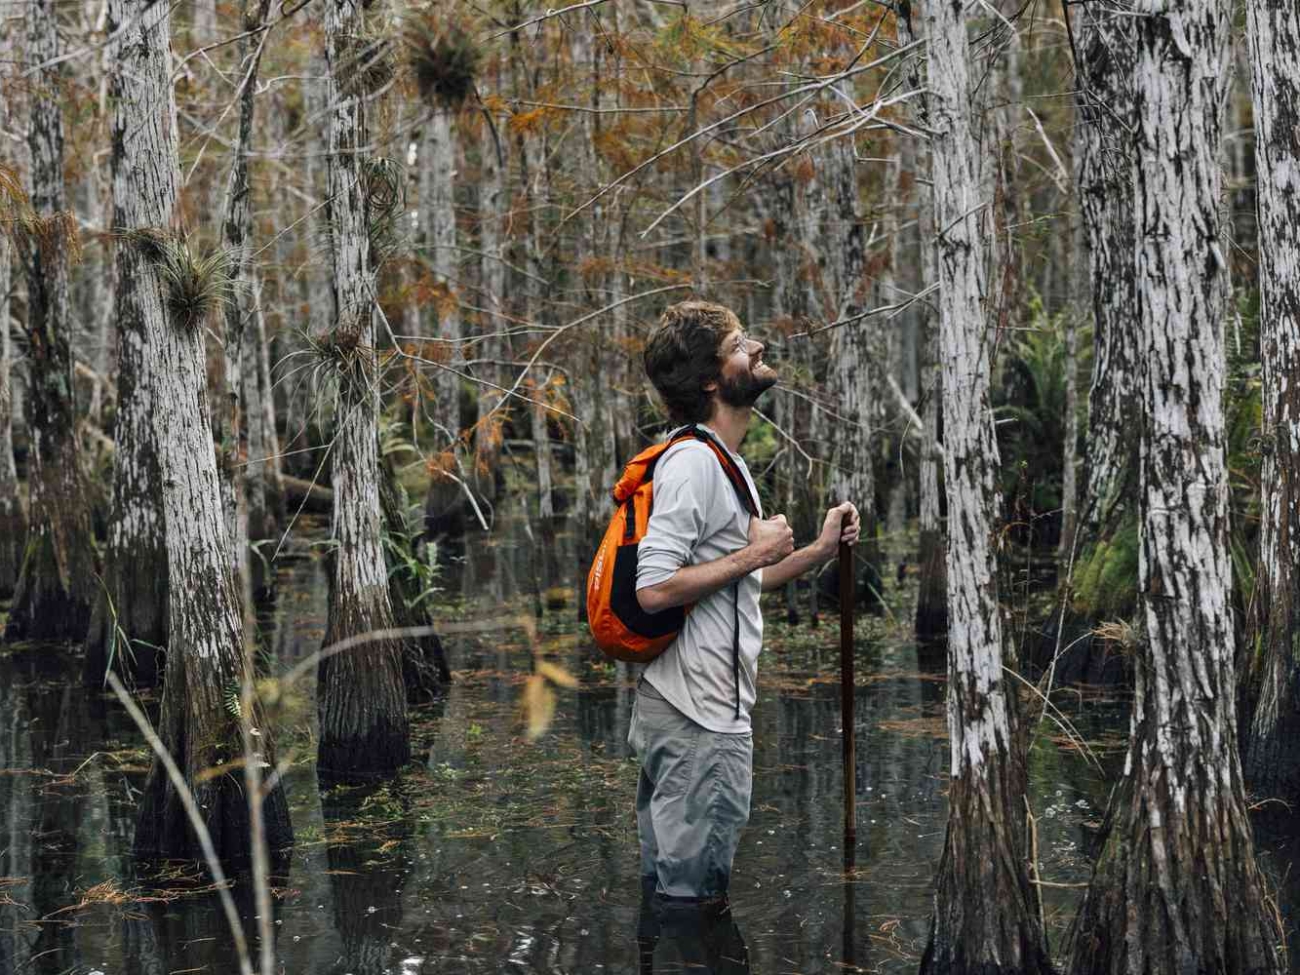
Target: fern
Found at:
232, 701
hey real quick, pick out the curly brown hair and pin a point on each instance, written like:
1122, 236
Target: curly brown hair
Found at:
683, 355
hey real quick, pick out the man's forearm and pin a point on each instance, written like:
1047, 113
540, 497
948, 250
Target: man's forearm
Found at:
794, 565
691, 583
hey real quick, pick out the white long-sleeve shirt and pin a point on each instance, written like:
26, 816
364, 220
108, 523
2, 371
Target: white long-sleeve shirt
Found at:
698, 517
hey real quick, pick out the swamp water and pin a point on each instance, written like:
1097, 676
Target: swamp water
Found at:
499, 854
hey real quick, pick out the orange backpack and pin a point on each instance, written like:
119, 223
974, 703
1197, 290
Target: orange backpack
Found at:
623, 630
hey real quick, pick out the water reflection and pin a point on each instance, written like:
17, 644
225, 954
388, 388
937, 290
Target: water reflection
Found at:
498, 853
687, 937
366, 881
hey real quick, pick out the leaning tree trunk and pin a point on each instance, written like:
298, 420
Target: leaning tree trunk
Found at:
56, 583
985, 917
206, 665
932, 589
1176, 887
361, 700
1271, 767
131, 617
1106, 206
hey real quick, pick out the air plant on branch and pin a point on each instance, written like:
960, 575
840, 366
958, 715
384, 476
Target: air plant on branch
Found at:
339, 358
444, 61
384, 183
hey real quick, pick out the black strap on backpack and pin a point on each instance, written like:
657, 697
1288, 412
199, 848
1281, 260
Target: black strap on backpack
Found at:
741, 487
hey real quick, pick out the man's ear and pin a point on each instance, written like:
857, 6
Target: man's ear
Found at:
710, 387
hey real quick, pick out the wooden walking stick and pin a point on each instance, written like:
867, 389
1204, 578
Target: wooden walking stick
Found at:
847, 595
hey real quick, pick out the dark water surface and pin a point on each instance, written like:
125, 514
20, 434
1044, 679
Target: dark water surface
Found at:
498, 854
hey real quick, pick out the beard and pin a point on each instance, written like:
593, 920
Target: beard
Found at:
743, 391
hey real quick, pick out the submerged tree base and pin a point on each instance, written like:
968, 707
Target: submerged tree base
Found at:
1186, 896
45, 607
164, 831
375, 754
986, 920
932, 599
361, 700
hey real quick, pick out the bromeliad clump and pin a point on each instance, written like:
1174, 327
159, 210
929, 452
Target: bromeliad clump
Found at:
444, 62
195, 284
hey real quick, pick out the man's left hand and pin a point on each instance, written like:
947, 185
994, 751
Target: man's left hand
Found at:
841, 525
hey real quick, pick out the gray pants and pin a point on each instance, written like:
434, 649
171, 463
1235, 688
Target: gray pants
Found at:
692, 799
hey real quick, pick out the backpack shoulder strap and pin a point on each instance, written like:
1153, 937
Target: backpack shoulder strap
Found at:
734, 475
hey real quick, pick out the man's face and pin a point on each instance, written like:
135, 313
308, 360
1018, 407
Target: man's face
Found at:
745, 376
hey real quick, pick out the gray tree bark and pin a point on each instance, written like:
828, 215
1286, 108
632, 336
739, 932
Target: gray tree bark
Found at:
438, 219
1274, 37
56, 584
241, 308
205, 659
360, 696
932, 591
131, 619
1176, 887
13, 516
1106, 45
494, 205
263, 483
985, 918
13, 519
856, 352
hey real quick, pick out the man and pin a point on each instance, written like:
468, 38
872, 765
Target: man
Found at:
690, 725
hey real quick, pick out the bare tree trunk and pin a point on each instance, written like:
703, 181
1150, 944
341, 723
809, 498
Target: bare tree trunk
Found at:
1274, 34
542, 449
531, 165
494, 203
131, 619
787, 300
932, 591
56, 583
1176, 887
1001, 167
206, 663
584, 388
438, 214
13, 519
1106, 37
985, 918
1076, 315
360, 696
264, 485
855, 353
240, 309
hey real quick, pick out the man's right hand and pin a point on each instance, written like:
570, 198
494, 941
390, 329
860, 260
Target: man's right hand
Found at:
771, 539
